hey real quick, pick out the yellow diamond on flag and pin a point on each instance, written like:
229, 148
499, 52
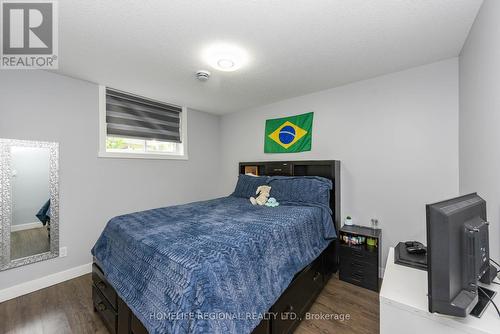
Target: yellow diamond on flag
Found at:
287, 134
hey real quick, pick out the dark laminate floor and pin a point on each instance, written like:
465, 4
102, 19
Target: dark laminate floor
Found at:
67, 308
29, 242
339, 297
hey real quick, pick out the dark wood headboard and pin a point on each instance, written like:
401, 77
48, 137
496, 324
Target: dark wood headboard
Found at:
329, 169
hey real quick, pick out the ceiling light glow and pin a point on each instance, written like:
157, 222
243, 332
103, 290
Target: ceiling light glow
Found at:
225, 57
225, 63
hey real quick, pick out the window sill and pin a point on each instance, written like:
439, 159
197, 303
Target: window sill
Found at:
154, 156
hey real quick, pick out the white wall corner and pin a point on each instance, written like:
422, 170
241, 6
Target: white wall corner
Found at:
381, 272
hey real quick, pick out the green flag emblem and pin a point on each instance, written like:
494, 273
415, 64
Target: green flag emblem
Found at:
289, 134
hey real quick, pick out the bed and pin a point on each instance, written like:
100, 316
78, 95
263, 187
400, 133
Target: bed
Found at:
217, 266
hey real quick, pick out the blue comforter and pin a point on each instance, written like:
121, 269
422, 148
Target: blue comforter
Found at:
209, 267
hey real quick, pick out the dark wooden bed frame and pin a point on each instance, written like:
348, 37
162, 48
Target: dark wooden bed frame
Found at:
295, 301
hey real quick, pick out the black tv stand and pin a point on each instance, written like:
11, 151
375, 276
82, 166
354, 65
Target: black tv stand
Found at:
482, 302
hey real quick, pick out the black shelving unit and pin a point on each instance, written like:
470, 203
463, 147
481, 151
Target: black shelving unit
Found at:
360, 253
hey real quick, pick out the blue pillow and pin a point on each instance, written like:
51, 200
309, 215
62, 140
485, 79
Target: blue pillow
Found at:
301, 189
44, 213
247, 185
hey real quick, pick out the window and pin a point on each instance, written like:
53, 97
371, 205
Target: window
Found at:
132, 126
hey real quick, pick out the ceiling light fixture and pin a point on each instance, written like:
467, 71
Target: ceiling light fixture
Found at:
225, 57
225, 63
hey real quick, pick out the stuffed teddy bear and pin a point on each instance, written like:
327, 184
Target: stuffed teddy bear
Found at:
263, 196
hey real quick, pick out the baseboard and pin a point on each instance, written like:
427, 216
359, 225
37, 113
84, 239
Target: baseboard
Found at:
44, 282
21, 227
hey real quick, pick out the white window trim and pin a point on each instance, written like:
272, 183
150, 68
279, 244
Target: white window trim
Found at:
102, 153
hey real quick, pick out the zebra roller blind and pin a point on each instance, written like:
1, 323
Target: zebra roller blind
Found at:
133, 116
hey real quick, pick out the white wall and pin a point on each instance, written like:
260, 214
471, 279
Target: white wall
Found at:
30, 183
396, 135
37, 105
480, 115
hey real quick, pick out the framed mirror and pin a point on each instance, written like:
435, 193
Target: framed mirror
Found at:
29, 202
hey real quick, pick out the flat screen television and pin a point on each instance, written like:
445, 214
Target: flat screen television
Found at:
457, 253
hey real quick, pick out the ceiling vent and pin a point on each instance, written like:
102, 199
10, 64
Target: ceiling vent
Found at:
202, 75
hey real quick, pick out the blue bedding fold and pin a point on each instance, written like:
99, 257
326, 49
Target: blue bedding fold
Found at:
44, 213
209, 267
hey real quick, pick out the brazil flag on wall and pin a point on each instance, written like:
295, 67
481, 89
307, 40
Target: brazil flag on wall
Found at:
289, 134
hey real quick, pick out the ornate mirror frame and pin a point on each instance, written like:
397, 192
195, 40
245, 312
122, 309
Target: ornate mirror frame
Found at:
6, 202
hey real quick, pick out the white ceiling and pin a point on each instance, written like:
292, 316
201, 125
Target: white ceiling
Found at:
296, 47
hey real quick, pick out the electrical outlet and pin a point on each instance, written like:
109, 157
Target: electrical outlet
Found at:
63, 251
